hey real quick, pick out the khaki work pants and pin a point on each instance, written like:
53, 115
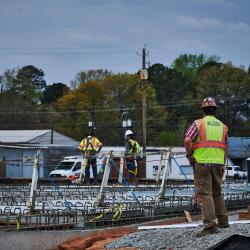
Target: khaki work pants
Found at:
207, 181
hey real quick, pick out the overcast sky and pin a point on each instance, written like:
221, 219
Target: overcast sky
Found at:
64, 37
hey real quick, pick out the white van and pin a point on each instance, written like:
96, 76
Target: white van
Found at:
70, 165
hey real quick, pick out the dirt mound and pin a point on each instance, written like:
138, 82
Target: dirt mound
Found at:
96, 240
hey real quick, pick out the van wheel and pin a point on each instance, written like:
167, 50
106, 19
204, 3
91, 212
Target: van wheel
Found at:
236, 177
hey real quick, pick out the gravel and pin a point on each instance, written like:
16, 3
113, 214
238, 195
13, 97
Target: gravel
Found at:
181, 238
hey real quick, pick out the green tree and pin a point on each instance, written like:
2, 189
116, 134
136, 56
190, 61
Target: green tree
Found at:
230, 86
190, 64
106, 99
17, 113
7, 78
93, 74
53, 92
29, 83
20, 97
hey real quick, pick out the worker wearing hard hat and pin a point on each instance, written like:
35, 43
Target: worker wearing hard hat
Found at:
90, 146
206, 148
132, 150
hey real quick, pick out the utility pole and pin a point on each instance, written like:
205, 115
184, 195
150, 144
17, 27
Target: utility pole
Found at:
52, 134
144, 77
51, 126
144, 101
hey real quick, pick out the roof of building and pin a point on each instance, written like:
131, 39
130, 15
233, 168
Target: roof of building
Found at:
20, 136
35, 137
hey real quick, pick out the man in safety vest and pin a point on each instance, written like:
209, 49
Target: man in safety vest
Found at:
132, 150
206, 149
90, 146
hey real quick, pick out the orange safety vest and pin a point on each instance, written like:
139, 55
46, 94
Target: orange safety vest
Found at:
204, 143
211, 143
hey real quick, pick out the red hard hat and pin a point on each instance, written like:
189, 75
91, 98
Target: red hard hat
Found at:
208, 102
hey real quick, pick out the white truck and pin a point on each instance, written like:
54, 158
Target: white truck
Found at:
180, 169
235, 172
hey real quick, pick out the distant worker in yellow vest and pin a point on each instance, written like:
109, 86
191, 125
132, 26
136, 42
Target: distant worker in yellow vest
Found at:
206, 148
90, 146
132, 150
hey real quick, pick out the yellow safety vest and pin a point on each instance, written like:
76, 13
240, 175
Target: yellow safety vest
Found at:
90, 143
212, 141
135, 147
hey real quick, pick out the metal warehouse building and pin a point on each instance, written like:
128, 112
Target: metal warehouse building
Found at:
18, 149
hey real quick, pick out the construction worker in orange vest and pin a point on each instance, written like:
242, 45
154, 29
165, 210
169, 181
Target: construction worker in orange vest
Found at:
206, 149
90, 146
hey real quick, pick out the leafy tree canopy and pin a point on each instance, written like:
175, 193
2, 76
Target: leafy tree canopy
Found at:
29, 82
93, 74
53, 92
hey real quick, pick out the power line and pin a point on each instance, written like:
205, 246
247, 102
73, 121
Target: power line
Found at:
69, 48
66, 53
110, 109
117, 122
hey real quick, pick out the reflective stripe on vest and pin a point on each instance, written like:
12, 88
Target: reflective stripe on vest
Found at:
211, 143
134, 145
203, 142
89, 144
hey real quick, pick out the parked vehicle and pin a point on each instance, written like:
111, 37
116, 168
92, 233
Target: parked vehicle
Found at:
70, 166
235, 172
179, 168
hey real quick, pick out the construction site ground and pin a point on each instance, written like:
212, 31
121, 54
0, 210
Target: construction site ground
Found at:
132, 239
71, 217
98, 239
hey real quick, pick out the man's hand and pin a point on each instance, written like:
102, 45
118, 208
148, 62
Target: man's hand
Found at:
188, 147
222, 172
191, 160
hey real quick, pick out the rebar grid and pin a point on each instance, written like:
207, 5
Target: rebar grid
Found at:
119, 206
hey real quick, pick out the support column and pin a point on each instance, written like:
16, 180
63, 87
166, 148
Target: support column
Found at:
82, 172
35, 174
159, 169
167, 162
105, 179
121, 169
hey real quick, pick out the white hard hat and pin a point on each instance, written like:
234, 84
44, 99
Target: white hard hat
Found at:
128, 132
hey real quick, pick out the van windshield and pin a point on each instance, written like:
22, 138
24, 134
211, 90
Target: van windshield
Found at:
237, 168
65, 165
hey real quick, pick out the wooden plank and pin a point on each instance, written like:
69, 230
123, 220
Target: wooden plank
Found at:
187, 215
186, 225
244, 215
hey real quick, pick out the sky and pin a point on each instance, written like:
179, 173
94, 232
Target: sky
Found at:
64, 37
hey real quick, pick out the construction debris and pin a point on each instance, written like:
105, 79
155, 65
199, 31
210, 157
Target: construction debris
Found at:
245, 215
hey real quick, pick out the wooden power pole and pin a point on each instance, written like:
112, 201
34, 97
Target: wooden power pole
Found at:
144, 78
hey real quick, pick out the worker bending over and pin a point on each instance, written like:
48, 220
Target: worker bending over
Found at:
90, 146
132, 150
206, 147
